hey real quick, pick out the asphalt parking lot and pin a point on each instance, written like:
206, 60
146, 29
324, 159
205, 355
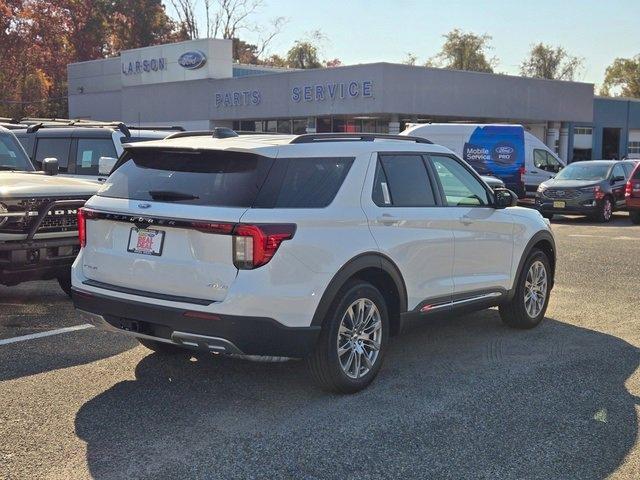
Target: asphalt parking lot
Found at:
458, 398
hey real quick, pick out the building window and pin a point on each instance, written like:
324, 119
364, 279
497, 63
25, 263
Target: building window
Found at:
583, 131
633, 148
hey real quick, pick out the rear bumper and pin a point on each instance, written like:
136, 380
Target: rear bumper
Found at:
210, 332
633, 204
36, 259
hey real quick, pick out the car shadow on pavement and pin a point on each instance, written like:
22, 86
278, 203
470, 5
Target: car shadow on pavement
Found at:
458, 398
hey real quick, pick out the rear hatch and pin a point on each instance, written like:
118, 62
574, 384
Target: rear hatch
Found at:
161, 224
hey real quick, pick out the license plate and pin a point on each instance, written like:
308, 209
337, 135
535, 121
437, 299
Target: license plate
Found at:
145, 241
559, 204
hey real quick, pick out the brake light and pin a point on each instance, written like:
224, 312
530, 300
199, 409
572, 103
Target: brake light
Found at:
83, 214
255, 245
521, 171
632, 189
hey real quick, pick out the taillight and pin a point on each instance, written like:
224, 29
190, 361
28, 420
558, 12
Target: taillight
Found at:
255, 245
83, 214
521, 171
632, 189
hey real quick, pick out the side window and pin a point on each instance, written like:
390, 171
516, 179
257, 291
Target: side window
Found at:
545, 161
402, 181
540, 159
618, 171
628, 169
312, 182
53, 147
89, 152
460, 187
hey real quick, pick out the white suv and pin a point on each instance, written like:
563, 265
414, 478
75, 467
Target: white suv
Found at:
311, 246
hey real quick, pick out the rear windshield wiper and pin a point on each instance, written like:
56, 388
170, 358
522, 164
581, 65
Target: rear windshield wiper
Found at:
169, 195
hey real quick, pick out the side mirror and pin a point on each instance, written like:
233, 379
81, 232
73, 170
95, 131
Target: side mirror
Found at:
504, 198
105, 165
50, 166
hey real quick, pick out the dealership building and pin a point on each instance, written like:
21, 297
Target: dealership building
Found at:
197, 85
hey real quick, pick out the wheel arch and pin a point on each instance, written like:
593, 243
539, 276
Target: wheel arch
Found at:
542, 240
382, 273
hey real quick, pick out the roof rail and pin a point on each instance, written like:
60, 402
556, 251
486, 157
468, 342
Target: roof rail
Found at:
192, 133
9, 120
218, 132
354, 137
34, 127
177, 128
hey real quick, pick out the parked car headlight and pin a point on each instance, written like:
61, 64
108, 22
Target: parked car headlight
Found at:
588, 189
542, 187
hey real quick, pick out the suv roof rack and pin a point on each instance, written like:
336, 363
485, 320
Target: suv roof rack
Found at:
176, 128
34, 127
355, 137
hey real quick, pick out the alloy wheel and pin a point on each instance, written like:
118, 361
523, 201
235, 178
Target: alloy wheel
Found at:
535, 289
607, 209
359, 338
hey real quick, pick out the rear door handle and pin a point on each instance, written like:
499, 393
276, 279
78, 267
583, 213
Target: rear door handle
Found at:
388, 219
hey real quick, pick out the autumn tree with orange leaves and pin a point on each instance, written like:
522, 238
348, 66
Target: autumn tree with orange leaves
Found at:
38, 38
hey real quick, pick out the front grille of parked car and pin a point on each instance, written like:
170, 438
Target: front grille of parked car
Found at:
58, 219
561, 193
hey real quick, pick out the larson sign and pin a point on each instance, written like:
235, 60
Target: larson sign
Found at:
148, 65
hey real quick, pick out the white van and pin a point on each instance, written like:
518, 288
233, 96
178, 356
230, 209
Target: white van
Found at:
507, 152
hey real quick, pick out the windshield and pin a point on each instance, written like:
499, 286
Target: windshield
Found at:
583, 171
12, 155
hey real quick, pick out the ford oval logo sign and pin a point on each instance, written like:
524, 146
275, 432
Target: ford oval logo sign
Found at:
192, 60
504, 150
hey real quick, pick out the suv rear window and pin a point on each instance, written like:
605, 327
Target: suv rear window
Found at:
194, 177
636, 175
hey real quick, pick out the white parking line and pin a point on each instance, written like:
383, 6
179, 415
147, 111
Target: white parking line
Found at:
50, 333
603, 236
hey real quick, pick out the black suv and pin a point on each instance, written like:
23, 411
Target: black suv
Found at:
82, 146
593, 187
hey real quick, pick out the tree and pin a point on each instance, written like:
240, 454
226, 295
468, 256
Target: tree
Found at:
336, 62
623, 76
39, 38
410, 59
140, 23
229, 19
303, 54
544, 61
464, 51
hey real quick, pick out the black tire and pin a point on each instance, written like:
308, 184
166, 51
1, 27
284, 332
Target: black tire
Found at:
324, 363
163, 348
65, 283
602, 216
513, 313
635, 217
547, 215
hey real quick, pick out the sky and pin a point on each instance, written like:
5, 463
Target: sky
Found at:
361, 31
